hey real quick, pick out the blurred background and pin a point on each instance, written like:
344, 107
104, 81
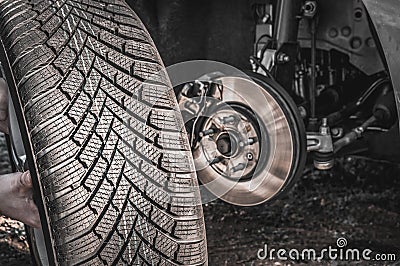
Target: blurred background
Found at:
184, 30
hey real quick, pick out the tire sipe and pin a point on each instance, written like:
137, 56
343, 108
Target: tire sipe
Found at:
112, 171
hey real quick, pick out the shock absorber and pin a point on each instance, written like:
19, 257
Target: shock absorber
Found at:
285, 33
310, 10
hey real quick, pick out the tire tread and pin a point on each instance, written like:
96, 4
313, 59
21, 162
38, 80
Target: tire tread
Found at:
114, 162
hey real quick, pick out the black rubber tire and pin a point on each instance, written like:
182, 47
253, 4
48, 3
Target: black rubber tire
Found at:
111, 166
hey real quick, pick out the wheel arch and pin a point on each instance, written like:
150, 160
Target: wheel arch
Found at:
386, 21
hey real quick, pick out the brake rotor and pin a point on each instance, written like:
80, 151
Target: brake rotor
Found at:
250, 142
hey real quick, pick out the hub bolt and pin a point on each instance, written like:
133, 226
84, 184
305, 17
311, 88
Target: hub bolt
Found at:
248, 142
216, 160
228, 119
250, 156
207, 132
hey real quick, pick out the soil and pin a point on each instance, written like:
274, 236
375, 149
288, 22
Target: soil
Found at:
358, 200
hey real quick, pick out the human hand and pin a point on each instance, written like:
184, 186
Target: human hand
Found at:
16, 198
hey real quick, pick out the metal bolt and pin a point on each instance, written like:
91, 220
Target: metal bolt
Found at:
310, 8
356, 43
346, 31
250, 141
250, 156
283, 58
266, 18
207, 132
359, 131
333, 33
286, 58
324, 129
216, 160
228, 119
370, 42
337, 132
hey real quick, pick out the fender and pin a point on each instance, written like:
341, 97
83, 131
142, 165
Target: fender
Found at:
385, 17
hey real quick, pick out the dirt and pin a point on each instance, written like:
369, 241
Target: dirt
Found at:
358, 200
14, 248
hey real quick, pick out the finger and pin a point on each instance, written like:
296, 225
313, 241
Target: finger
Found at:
35, 217
3, 114
3, 95
36, 224
3, 84
33, 222
3, 101
31, 215
25, 180
4, 127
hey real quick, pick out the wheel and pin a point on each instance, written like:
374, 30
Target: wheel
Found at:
250, 140
113, 176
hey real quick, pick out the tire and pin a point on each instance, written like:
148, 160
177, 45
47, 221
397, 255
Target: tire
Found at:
112, 171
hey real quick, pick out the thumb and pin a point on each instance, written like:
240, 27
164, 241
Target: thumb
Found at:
25, 180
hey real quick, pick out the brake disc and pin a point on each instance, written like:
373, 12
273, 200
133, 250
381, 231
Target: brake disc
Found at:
249, 141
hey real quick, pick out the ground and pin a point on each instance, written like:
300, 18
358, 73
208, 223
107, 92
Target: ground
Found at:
359, 200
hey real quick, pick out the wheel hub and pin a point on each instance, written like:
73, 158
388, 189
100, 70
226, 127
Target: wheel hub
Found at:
249, 142
227, 146
232, 149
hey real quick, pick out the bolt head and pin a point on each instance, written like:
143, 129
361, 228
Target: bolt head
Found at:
346, 31
286, 58
333, 33
283, 58
265, 19
335, 131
